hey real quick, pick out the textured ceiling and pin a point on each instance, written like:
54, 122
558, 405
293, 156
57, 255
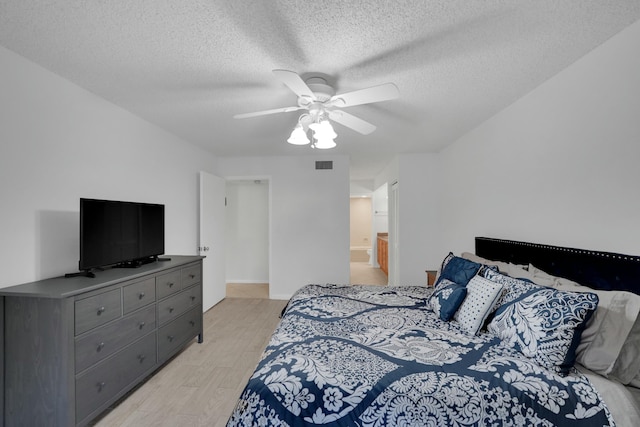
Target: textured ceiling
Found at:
189, 66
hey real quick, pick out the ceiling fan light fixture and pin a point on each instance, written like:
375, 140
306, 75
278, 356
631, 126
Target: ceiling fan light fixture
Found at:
324, 143
319, 98
323, 130
298, 136
323, 134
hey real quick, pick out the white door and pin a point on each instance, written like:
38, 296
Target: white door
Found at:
212, 239
394, 237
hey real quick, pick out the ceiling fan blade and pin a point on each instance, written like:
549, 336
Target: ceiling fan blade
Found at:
295, 83
265, 112
383, 92
351, 121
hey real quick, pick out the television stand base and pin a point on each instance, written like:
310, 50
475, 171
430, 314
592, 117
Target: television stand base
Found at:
85, 273
133, 264
139, 262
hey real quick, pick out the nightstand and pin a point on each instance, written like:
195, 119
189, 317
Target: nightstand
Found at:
431, 277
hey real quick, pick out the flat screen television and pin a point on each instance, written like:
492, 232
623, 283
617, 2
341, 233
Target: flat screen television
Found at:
122, 234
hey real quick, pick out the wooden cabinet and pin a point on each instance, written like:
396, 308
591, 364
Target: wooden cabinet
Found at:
73, 346
383, 252
431, 277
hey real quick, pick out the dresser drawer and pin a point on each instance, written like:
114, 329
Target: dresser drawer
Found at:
191, 275
97, 310
173, 335
167, 284
194, 295
138, 294
174, 306
96, 386
103, 342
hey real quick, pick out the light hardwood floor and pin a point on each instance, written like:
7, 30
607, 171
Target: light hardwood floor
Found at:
247, 290
364, 274
200, 386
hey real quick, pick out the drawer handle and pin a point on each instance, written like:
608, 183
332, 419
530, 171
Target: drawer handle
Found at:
141, 325
141, 358
193, 297
101, 385
192, 276
192, 323
170, 284
170, 338
100, 347
141, 295
101, 310
170, 309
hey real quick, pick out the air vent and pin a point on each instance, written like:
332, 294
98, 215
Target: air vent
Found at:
324, 164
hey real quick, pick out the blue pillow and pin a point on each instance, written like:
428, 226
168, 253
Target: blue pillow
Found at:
446, 298
459, 270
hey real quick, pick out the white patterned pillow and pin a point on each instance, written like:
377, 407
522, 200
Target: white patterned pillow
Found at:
546, 325
513, 288
482, 296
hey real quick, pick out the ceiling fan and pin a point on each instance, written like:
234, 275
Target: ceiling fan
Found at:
317, 97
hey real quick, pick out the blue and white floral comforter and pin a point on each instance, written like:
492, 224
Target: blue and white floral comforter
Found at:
378, 356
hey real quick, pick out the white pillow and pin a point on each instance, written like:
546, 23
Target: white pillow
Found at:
540, 277
482, 296
627, 366
513, 270
608, 329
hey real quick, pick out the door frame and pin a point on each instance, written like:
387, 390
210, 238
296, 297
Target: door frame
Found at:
213, 290
394, 234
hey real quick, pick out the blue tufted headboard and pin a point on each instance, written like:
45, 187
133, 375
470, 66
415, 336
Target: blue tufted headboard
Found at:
598, 270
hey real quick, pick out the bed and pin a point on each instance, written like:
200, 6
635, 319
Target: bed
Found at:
508, 336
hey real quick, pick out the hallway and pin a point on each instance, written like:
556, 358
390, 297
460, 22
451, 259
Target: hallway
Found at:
364, 274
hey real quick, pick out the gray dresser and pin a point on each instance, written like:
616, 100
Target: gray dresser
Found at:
73, 346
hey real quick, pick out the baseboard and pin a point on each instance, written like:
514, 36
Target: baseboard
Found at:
248, 282
284, 297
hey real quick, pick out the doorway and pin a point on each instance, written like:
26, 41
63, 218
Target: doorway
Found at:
247, 237
363, 266
360, 228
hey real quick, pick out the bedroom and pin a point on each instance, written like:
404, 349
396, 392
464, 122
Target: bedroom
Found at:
557, 166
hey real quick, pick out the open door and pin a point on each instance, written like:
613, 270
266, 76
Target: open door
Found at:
212, 219
394, 235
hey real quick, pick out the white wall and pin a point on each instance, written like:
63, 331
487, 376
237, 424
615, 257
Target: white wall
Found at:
419, 179
559, 166
360, 221
419, 231
361, 188
58, 143
309, 218
247, 231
